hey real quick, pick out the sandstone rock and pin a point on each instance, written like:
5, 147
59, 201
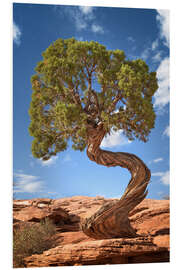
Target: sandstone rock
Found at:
150, 219
36, 210
107, 251
81, 206
65, 238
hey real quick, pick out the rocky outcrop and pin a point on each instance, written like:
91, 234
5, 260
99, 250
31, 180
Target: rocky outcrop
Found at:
99, 252
150, 219
37, 210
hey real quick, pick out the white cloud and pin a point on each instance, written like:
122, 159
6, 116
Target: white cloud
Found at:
149, 51
167, 131
80, 23
80, 16
164, 177
97, 29
155, 44
157, 160
16, 34
86, 9
163, 19
157, 174
157, 57
25, 177
76, 15
49, 162
114, 139
162, 94
145, 54
83, 17
27, 183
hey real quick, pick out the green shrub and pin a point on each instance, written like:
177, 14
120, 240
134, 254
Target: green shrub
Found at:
32, 239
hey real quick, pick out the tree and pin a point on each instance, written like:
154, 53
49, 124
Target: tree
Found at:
82, 91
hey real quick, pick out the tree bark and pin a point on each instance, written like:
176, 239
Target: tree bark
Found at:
111, 220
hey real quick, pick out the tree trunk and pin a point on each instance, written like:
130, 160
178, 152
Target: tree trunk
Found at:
111, 220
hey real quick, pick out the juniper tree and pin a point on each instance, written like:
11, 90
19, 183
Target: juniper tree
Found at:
81, 92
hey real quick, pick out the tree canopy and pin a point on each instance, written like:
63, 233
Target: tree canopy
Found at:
79, 83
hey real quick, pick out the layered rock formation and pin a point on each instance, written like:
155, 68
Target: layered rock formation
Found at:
150, 219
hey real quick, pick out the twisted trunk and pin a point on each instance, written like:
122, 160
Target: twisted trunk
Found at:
111, 220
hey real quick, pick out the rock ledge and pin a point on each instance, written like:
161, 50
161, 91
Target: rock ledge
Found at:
72, 247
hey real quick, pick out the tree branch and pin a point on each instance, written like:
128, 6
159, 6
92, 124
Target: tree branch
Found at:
96, 101
75, 95
115, 101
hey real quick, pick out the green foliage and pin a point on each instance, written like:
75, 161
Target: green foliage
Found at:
64, 98
32, 239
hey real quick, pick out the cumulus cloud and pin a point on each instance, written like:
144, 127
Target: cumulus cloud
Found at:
27, 183
164, 177
157, 57
162, 94
155, 44
167, 131
151, 52
97, 29
16, 34
114, 139
163, 19
80, 21
86, 9
83, 17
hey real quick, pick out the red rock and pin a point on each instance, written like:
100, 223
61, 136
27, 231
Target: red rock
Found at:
37, 210
71, 238
107, 251
150, 218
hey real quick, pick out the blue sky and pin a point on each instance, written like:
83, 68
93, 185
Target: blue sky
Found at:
141, 33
